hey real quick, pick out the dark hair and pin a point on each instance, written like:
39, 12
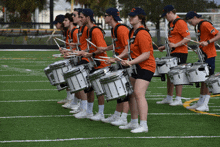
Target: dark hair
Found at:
143, 22
79, 10
69, 16
87, 16
174, 11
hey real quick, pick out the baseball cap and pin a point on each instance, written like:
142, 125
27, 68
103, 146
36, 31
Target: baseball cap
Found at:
191, 14
136, 11
167, 9
114, 12
59, 18
89, 12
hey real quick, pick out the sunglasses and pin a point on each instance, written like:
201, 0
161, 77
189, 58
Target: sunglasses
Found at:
106, 15
74, 15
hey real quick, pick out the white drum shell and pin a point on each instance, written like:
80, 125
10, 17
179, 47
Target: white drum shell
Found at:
117, 88
94, 79
58, 72
195, 75
168, 63
178, 77
213, 83
77, 81
49, 75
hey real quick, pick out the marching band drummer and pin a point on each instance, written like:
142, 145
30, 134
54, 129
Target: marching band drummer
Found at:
208, 35
96, 36
82, 34
178, 30
72, 37
143, 59
59, 25
121, 33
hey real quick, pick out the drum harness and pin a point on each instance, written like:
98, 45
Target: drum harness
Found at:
89, 34
114, 39
131, 41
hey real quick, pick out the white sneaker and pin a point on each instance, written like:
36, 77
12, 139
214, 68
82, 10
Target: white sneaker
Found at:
176, 103
110, 119
97, 117
89, 115
120, 122
81, 114
74, 107
203, 107
75, 110
67, 106
129, 126
194, 106
140, 129
165, 101
63, 101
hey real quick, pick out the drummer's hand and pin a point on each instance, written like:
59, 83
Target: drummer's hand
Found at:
110, 61
203, 43
102, 49
80, 53
60, 49
73, 45
161, 48
126, 63
172, 45
88, 55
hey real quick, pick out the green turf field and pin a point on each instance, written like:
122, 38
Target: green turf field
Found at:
30, 115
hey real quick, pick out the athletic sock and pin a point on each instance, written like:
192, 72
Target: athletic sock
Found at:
90, 108
124, 115
178, 98
84, 104
117, 113
101, 109
143, 123
134, 120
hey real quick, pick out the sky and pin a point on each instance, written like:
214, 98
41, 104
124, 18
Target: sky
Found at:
217, 1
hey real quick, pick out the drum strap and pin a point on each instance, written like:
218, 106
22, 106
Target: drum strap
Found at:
71, 40
171, 28
198, 34
80, 32
135, 34
115, 31
89, 32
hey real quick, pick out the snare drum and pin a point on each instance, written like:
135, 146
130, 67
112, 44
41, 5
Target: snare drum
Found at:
156, 73
199, 72
116, 85
74, 60
58, 68
61, 87
213, 83
178, 76
76, 78
165, 63
49, 75
94, 78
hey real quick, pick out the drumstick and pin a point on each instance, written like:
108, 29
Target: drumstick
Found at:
191, 40
121, 59
104, 57
56, 43
66, 49
61, 40
155, 44
217, 44
57, 55
188, 47
51, 35
99, 59
91, 43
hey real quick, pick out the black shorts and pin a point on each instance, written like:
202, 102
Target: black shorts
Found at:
82, 62
142, 74
181, 56
211, 64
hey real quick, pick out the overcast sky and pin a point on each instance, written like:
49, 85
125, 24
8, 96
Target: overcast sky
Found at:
217, 1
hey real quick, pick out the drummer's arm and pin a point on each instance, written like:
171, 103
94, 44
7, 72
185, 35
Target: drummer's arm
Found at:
124, 54
184, 41
108, 48
144, 56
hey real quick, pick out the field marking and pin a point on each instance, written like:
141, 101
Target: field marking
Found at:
187, 104
46, 81
48, 116
100, 138
30, 90
23, 101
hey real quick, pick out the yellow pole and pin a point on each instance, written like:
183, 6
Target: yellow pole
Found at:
72, 5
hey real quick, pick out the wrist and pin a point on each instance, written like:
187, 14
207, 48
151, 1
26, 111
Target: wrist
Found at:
93, 54
208, 42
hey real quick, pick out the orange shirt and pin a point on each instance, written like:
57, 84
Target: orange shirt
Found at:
179, 32
143, 43
74, 39
122, 38
82, 39
208, 32
99, 41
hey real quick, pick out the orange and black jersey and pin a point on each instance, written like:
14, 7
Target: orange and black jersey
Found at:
143, 43
180, 31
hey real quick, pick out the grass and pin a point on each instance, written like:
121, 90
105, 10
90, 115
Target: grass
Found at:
50, 121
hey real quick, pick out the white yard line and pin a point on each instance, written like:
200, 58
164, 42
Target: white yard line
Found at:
100, 138
48, 116
24, 81
29, 90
